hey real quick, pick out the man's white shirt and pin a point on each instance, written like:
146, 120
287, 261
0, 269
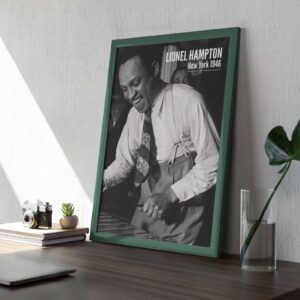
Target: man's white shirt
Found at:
181, 125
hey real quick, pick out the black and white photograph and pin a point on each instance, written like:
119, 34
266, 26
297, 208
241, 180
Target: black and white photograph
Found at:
163, 142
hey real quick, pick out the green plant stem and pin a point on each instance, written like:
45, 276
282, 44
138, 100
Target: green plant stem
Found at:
258, 221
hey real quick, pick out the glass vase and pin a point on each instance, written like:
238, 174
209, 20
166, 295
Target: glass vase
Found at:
261, 252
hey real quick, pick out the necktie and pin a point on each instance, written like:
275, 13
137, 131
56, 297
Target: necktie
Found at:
146, 152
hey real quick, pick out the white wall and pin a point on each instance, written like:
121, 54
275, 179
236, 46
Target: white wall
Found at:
53, 68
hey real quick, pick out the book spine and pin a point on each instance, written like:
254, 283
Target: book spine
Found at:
39, 242
46, 236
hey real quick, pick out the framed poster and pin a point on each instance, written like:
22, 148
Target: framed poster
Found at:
165, 141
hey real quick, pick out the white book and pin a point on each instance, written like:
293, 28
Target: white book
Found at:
56, 232
39, 242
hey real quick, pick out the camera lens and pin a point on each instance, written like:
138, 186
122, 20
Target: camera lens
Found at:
26, 219
29, 219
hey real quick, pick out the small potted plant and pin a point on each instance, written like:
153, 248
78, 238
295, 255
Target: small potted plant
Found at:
69, 220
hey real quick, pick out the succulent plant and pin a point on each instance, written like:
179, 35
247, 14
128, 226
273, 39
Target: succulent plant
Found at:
67, 209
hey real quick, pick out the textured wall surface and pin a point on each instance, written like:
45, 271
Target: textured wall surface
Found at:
53, 69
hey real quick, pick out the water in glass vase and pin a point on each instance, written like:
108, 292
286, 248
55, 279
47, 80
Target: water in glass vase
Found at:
261, 253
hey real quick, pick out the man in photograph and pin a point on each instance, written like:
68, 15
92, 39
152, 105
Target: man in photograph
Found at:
169, 144
181, 75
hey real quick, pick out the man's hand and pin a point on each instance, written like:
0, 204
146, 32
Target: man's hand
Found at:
157, 204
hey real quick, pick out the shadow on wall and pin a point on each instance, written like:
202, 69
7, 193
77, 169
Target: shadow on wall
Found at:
8, 196
243, 165
58, 57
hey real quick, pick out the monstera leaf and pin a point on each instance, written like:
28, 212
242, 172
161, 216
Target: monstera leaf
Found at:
279, 148
296, 142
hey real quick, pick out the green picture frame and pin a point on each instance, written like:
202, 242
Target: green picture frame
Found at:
228, 40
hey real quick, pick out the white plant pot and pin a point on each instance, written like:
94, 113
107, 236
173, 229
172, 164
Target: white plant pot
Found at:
68, 222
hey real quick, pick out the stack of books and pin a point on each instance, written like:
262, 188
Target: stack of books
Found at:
17, 232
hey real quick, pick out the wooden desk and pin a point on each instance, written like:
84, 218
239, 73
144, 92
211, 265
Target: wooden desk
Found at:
118, 272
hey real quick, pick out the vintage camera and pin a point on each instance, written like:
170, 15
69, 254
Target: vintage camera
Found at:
37, 215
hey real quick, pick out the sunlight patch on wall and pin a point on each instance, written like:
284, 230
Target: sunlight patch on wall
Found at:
30, 154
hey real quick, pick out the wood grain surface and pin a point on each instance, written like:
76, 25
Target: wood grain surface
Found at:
116, 272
